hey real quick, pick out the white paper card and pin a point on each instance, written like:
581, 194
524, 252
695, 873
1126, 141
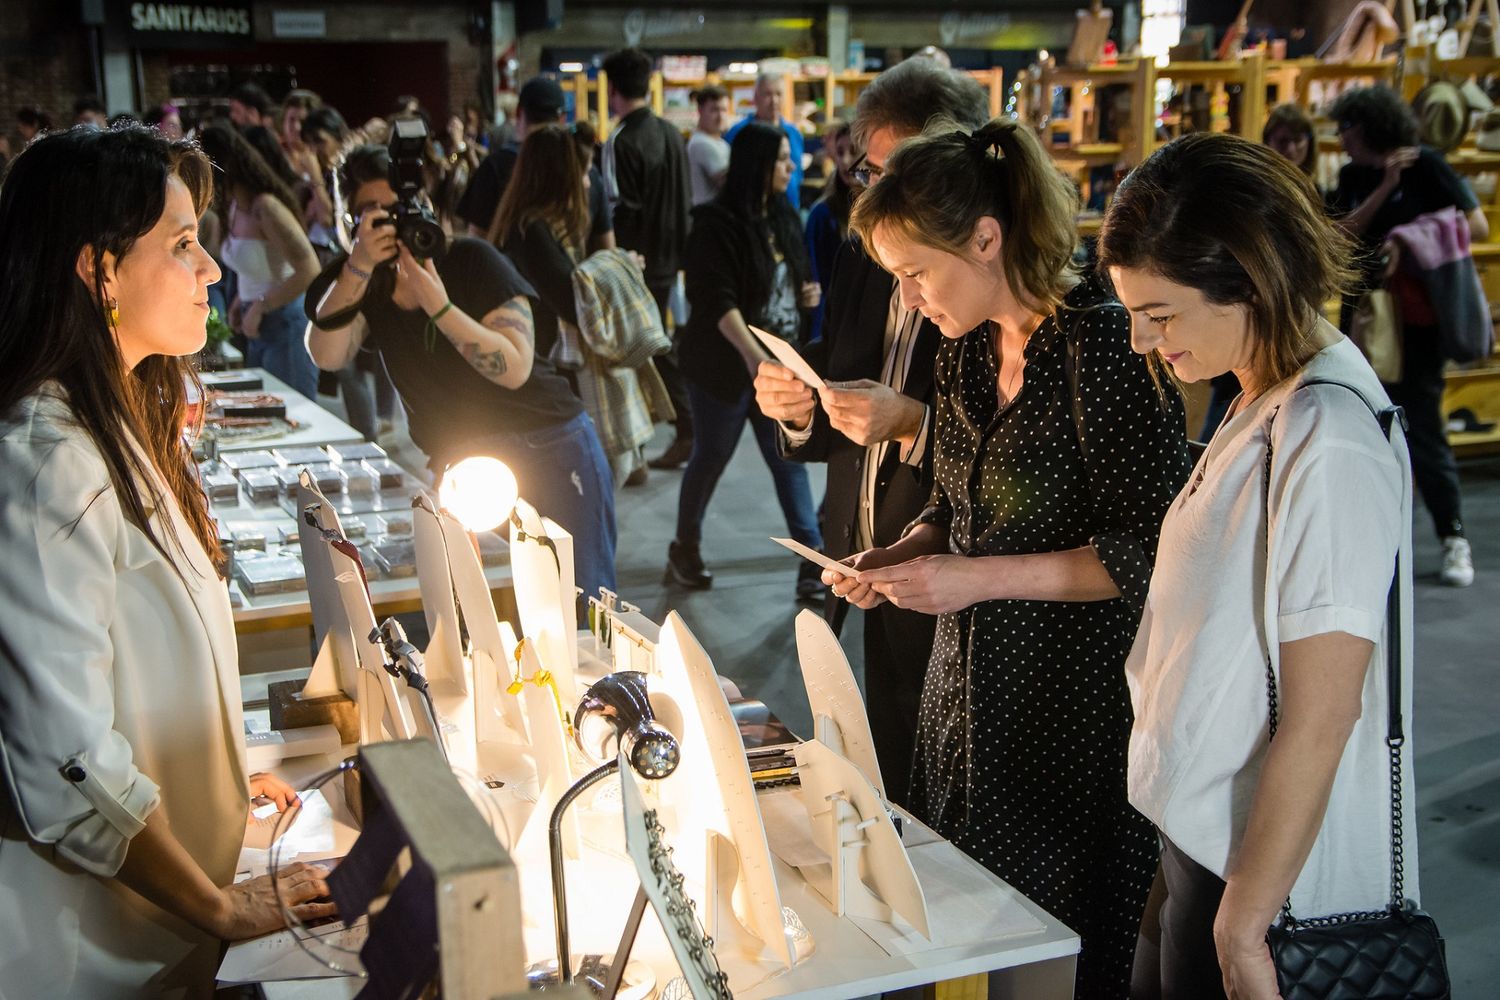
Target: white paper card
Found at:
816, 557
279, 958
787, 355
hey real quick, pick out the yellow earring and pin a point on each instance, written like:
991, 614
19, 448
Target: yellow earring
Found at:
112, 314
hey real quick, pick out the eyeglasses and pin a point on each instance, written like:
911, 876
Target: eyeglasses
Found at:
866, 172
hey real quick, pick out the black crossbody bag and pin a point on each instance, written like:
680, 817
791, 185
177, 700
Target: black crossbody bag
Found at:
1393, 953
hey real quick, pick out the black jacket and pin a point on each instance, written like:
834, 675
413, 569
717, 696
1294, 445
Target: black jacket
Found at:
859, 296
651, 169
722, 272
544, 262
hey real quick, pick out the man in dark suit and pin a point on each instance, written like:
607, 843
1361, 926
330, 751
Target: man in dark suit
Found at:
873, 422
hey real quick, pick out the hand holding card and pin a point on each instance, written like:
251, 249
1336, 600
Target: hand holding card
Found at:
787, 355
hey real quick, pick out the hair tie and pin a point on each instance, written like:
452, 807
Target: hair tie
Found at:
983, 144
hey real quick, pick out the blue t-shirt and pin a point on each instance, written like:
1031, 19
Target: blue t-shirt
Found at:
794, 140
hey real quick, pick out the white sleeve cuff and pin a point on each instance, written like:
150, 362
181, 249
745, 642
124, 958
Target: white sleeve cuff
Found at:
794, 437
1357, 622
97, 842
918, 450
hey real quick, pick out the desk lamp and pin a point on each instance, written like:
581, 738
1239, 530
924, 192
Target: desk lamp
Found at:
614, 721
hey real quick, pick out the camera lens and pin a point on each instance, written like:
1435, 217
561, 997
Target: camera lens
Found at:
426, 240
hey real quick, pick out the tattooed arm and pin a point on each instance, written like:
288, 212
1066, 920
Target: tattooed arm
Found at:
499, 347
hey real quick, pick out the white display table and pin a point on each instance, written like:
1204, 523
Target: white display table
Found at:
274, 612
1035, 965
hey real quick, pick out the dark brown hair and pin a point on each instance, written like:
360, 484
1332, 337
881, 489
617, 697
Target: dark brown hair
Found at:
709, 93
1292, 118
547, 185
243, 167
937, 186
1241, 224
101, 191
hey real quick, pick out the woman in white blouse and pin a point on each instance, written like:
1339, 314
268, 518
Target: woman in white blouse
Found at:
1221, 252
121, 741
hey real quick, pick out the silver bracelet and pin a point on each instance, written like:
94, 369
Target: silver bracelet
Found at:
361, 275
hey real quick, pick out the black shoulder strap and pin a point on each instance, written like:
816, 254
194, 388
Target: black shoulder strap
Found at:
1387, 417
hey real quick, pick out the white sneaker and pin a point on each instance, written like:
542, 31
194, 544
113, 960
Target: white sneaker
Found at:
1458, 563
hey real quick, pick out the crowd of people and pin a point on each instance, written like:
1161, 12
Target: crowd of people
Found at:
1069, 617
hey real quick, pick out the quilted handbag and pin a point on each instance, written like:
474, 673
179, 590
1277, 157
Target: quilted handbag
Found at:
1390, 954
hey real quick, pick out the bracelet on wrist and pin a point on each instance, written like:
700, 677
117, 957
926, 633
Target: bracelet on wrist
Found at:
442, 312
361, 275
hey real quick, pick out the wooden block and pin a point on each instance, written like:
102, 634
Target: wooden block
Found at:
290, 711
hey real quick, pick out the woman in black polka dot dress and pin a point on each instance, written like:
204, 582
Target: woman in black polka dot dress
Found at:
1057, 456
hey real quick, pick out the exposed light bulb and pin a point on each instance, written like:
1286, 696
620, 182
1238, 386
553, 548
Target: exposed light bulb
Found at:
480, 491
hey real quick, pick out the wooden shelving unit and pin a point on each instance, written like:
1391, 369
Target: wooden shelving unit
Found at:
837, 92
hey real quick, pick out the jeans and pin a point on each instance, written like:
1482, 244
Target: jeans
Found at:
366, 411
563, 473
281, 350
1420, 393
717, 426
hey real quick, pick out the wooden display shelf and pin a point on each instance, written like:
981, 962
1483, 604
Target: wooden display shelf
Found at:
1476, 390
838, 91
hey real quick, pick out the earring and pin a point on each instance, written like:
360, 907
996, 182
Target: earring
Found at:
112, 314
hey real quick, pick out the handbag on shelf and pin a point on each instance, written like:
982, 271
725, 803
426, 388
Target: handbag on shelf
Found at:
1390, 954
1376, 331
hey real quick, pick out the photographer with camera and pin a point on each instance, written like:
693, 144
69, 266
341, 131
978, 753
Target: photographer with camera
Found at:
453, 328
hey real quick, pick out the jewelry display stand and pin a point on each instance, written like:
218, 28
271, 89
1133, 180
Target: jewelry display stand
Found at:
709, 804
541, 560
870, 874
348, 660
839, 717
548, 745
454, 591
662, 884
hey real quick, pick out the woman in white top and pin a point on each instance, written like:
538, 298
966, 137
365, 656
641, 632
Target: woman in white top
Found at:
271, 257
123, 793
1220, 250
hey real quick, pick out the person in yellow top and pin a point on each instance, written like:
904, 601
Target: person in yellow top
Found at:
121, 742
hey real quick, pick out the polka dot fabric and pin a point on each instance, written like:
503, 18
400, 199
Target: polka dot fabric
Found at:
1025, 715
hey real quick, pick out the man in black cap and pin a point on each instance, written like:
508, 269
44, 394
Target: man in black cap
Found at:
539, 103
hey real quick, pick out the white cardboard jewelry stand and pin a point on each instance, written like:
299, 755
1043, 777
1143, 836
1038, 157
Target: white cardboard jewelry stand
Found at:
549, 751
545, 596
695, 958
454, 590
716, 824
839, 717
870, 874
347, 660
336, 667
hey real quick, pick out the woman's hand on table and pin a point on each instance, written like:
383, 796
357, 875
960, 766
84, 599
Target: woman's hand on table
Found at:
249, 909
268, 786
932, 584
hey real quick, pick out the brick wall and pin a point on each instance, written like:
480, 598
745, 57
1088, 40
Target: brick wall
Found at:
44, 60
45, 57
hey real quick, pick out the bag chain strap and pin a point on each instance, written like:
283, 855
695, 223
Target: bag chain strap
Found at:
1395, 737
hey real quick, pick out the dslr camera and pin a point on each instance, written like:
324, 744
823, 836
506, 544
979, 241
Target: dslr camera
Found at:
415, 225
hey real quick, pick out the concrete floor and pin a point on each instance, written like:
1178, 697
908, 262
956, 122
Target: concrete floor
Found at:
745, 621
